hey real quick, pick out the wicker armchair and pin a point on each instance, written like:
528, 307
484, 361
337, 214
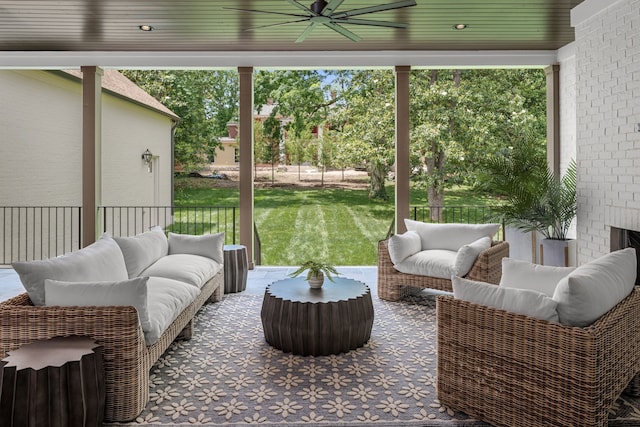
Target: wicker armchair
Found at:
512, 370
393, 285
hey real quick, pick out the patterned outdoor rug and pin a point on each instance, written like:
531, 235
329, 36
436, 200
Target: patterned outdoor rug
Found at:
228, 375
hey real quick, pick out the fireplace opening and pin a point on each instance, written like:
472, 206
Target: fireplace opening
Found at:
622, 238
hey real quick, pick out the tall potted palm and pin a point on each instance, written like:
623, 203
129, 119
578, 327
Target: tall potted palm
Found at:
535, 199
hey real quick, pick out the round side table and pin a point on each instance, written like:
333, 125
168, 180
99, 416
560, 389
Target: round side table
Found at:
56, 382
333, 319
236, 268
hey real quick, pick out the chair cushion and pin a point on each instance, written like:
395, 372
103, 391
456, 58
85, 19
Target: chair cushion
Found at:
468, 254
130, 292
432, 263
402, 246
206, 245
450, 236
596, 287
100, 261
195, 270
166, 299
520, 301
143, 250
525, 275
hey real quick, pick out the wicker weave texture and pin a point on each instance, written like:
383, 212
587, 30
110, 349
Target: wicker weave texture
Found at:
127, 360
515, 371
393, 285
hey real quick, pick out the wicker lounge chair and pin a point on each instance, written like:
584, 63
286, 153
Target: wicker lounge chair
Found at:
512, 370
393, 285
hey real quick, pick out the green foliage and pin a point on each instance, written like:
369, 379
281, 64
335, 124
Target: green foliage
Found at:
314, 269
204, 100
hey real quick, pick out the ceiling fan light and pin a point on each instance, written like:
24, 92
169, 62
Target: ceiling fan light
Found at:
460, 26
145, 27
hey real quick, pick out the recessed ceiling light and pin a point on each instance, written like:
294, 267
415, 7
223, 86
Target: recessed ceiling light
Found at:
145, 28
460, 26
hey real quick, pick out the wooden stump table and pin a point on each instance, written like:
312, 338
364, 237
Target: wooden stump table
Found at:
51, 383
236, 268
333, 319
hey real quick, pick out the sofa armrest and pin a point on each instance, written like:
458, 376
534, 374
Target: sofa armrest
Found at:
116, 329
488, 266
510, 369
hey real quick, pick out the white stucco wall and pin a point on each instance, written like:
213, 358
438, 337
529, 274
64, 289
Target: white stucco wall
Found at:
607, 61
40, 137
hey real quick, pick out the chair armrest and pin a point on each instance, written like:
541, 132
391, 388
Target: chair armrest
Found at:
488, 266
510, 369
117, 329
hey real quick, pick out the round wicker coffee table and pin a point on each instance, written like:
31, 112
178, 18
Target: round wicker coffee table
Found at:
316, 322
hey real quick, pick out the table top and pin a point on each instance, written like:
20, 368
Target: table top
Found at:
53, 352
297, 290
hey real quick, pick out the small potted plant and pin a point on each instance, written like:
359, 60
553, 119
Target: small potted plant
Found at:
316, 272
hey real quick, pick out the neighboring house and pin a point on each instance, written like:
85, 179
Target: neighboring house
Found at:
227, 154
41, 145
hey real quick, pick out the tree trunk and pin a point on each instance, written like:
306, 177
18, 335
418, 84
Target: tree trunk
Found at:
377, 189
299, 177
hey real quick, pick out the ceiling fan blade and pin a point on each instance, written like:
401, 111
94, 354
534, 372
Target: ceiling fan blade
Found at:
302, 7
276, 25
267, 11
356, 21
374, 9
306, 32
333, 5
348, 34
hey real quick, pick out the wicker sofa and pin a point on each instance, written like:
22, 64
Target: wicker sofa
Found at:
127, 357
516, 370
393, 285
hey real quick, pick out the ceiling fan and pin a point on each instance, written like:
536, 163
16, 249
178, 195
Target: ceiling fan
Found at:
324, 13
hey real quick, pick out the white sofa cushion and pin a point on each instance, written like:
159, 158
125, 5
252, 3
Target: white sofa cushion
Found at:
402, 246
520, 301
525, 275
195, 270
433, 263
100, 261
206, 245
130, 292
450, 236
143, 250
596, 287
166, 299
468, 254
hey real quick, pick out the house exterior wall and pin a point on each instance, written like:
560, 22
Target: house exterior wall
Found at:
226, 154
607, 62
40, 118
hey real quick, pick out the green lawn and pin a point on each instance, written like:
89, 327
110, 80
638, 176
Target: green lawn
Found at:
341, 227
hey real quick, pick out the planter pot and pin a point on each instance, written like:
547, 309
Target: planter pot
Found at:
316, 282
559, 253
522, 244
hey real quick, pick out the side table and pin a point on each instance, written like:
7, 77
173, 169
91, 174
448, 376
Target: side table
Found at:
56, 382
236, 268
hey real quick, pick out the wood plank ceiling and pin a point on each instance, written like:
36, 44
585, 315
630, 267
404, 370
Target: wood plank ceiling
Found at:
205, 25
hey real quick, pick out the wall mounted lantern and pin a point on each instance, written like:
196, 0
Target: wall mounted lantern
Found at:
146, 158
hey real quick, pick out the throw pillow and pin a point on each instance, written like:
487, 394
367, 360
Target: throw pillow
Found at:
130, 292
450, 236
525, 275
402, 246
142, 250
468, 254
520, 301
596, 287
101, 260
206, 245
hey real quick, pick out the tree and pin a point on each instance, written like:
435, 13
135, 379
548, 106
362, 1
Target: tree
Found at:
204, 100
297, 148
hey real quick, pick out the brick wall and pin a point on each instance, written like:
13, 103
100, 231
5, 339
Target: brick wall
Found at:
607, 89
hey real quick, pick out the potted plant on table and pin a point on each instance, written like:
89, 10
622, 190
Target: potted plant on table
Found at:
535, 199
316, 272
